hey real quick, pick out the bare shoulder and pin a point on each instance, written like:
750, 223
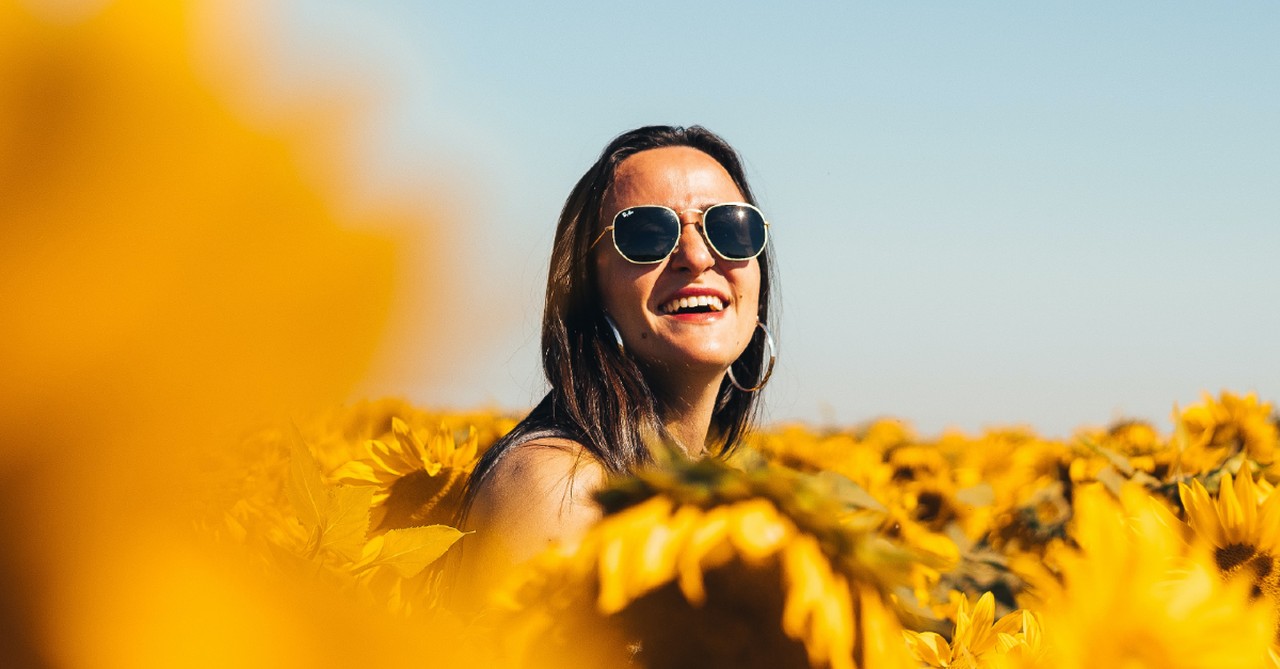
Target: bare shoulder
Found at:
539, 493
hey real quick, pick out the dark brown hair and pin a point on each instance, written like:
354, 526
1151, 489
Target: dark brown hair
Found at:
599, 396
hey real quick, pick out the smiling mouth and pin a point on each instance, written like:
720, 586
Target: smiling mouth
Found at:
700, 304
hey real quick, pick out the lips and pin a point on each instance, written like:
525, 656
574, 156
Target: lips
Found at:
700, 303
692, 301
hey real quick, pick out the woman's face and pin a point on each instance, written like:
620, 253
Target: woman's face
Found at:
641, 299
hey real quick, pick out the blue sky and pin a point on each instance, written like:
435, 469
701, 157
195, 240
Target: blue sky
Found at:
1054, 214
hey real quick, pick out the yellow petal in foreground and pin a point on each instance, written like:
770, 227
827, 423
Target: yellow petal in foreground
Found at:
817, 608
707, 548
757, 530
1135, 595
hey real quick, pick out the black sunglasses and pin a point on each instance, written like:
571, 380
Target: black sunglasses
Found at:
648, 233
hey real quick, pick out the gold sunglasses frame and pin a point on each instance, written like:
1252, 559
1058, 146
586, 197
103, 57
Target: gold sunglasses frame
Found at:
701, 223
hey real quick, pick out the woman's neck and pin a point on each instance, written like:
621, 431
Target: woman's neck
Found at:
687, 415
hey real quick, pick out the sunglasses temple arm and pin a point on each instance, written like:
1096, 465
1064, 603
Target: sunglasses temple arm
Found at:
602, 234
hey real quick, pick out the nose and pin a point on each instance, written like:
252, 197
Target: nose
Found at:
692, 253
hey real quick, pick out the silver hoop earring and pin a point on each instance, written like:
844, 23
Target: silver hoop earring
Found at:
617, 336
768, 371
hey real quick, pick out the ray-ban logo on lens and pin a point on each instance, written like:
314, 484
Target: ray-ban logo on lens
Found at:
627, 213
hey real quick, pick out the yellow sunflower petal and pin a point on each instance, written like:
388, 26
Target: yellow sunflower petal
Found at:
978, 637
410, 444
875, 633
1006, 642
386, 458
1230, 511
442, 447
1268, 535
613, 589
963, 619
928, 647
1201, 512
1247, 495
467, 452
356, 472
758, 531
701, 551
831, 636
806, 587
1011, 623
656, 558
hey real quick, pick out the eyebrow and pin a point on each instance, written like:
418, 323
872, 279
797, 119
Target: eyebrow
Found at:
711, 203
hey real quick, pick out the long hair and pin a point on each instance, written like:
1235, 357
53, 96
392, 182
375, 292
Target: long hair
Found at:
599, 396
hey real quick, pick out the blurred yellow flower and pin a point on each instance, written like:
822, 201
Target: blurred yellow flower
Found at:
1134, 594
1215, 430
172, 270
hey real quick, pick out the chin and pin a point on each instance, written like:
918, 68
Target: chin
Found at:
715, 360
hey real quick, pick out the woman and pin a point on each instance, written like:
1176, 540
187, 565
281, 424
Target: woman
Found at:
654, 332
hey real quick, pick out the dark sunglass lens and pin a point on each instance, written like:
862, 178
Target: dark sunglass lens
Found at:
646, 234
736, 231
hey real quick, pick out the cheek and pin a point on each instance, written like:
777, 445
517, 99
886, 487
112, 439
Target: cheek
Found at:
621, 293
747, 290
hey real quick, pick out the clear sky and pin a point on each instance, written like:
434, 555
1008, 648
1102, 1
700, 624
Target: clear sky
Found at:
1054, 214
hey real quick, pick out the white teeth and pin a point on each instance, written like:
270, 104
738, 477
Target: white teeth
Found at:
715, 303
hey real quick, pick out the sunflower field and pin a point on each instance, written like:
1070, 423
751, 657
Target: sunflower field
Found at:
865, 547
189, 293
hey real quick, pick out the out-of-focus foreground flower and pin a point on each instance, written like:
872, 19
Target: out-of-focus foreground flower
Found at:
173, 273
1134, 593
699, 564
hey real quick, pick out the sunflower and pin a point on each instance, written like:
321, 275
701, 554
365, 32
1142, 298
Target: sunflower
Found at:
1212, 432
1244, 527
418, 474
1021, 477
800, 448
978, 637
1134, 443
701, 565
